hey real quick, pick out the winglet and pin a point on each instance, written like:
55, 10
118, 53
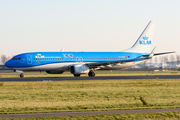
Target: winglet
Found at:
152, 53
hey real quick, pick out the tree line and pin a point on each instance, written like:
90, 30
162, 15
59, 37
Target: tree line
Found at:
169, 60
4, 58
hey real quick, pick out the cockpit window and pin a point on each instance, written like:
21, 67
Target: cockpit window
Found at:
15, 58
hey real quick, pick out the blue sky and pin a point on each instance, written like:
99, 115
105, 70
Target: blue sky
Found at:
86, 25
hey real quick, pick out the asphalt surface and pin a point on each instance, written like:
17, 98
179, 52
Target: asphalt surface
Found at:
88, 113
92, 78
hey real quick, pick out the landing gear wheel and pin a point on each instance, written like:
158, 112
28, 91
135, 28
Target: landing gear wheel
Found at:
77, 75
91, 73
21, 75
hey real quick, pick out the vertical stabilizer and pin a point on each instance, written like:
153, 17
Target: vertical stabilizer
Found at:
144, 42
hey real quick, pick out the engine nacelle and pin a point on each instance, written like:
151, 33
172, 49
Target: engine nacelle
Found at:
79, 69
54, 72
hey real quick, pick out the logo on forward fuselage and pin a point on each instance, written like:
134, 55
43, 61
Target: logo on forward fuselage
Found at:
145, 41
39, 56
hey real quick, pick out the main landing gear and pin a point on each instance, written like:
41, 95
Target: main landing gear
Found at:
91, 73
21, 75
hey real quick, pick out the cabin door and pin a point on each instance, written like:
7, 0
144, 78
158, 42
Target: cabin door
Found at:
29, 59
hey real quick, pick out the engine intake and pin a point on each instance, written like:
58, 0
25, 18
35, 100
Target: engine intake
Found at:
79, 69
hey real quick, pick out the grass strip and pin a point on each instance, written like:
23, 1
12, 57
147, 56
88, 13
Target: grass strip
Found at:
88, 95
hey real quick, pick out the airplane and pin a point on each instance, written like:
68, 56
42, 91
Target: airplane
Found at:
87, 62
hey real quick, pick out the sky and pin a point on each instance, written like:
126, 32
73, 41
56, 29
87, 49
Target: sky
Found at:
86, 25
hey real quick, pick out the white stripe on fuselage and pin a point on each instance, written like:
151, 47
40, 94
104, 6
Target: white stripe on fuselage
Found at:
52, 66
66, 66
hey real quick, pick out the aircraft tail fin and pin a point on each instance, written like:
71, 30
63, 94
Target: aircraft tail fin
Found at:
144, 42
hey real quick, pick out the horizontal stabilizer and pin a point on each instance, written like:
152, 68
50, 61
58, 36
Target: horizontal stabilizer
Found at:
163, 53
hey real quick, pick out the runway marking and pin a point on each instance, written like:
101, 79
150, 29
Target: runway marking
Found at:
47, 80
88, 113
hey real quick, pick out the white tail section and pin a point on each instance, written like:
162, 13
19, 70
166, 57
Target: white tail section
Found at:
144, 42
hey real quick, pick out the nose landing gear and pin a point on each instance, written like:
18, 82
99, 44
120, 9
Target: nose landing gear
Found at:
19, 71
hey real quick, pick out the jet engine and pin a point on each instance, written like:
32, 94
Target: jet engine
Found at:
79, 69
54, 72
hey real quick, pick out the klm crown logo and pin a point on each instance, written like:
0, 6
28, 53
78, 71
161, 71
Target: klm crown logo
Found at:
145, 38
145, 41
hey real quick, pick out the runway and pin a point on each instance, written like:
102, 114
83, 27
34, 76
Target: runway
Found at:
92, 78
88, 113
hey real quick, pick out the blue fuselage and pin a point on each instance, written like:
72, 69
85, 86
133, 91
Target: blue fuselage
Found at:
35, 59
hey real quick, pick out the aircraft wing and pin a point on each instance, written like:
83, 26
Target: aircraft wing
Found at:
143, 57
96, 64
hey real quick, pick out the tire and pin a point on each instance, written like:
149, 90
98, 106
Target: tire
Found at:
77, 75
91, 73
21, 75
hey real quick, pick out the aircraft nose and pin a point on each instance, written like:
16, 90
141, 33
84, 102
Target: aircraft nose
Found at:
7, 64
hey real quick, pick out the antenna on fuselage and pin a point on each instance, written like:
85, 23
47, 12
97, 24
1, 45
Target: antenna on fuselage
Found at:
62, 50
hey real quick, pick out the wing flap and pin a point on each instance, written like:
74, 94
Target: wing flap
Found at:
93, 65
